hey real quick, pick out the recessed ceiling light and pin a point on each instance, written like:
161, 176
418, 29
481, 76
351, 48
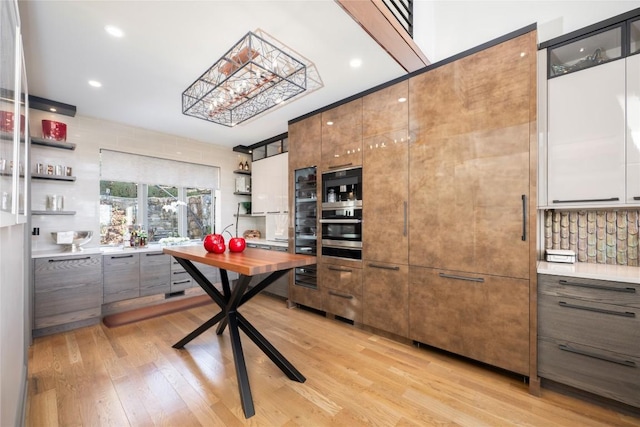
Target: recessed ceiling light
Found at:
355, 63
95, 83
329, 123
53, 110
114, 31
403, 99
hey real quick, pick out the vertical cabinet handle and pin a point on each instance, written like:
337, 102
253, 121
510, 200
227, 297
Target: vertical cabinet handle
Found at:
524, 218
404, 229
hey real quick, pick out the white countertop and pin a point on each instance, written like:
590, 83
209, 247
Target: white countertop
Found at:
619, 273
120, 249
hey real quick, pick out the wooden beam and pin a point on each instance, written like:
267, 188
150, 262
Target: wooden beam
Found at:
377, 20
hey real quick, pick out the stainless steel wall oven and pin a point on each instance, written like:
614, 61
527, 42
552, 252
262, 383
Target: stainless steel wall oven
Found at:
341, 221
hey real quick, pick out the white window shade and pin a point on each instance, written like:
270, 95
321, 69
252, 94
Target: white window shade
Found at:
126, 167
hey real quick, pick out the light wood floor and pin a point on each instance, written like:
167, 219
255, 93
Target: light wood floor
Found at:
130, 375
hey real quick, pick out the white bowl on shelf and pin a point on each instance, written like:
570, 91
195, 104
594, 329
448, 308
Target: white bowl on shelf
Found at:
72, 240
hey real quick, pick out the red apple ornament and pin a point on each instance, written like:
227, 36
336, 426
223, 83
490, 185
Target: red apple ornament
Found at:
237, 244
214, 242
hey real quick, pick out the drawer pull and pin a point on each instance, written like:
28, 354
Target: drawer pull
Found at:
469, 279
636, 197
69, 259
384, 267
178, 272
601, 287
154, 254
346, 270
336, 294
610, 199
570, 349
181, 282
597, 310
121, 256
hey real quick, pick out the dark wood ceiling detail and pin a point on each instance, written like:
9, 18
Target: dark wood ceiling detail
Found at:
377, 20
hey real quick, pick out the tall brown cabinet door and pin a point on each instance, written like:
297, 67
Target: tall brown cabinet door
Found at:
385, 176
342, 136
469, 161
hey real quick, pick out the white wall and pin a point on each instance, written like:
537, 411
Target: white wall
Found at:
82, 196
443, 28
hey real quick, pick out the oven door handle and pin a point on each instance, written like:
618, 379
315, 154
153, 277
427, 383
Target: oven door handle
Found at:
340, 221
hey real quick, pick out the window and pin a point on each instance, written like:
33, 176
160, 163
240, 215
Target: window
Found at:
166, 198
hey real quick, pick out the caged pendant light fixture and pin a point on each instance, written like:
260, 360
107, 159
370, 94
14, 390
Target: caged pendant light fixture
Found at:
255, 75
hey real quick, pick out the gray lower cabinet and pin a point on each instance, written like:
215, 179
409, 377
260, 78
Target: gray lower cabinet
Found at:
589, 335
180, 279
67, 289
121, 278
155, 271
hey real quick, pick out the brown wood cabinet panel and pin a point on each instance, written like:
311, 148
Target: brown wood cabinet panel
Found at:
386, 110
305, 142
469, 162
342, 136
385, 212
599, 371
345, 279
155, 269
121, 277
386, 297
386, 175
343, 304
614, 327
482, 317
306, 296
67, 289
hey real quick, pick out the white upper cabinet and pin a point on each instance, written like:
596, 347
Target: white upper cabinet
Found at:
586, 136
633, 129
269, 190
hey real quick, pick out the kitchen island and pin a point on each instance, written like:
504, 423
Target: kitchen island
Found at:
247, 263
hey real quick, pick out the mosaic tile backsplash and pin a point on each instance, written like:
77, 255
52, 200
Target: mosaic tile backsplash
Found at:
603, 237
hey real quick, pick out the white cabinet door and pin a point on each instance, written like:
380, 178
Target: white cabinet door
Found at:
633, 129
586, 136
260, 186
269, 193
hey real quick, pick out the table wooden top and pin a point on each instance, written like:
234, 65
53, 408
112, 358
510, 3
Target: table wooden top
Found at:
248, 262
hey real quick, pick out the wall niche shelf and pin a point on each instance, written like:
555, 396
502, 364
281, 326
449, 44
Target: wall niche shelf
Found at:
242, 172
53, 177
35, 212
242, 193
53, 143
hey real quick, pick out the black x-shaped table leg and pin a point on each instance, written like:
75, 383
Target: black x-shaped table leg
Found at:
229, 301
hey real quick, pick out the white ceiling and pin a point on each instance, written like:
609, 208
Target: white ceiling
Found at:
168, 44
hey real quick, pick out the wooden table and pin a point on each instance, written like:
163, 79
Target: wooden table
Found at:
247, 263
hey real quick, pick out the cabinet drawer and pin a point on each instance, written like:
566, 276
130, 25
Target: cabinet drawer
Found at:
605, 291
112, 262
155, 258
181, 284
601, 372
67, 289
340, 278
343, 304
613, 327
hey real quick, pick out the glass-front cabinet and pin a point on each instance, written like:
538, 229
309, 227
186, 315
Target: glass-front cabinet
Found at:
14, 147
634, 36
305, 237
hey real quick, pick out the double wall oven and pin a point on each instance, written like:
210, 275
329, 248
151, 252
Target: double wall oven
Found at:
341, 221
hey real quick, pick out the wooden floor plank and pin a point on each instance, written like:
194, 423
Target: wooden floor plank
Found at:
131, 376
